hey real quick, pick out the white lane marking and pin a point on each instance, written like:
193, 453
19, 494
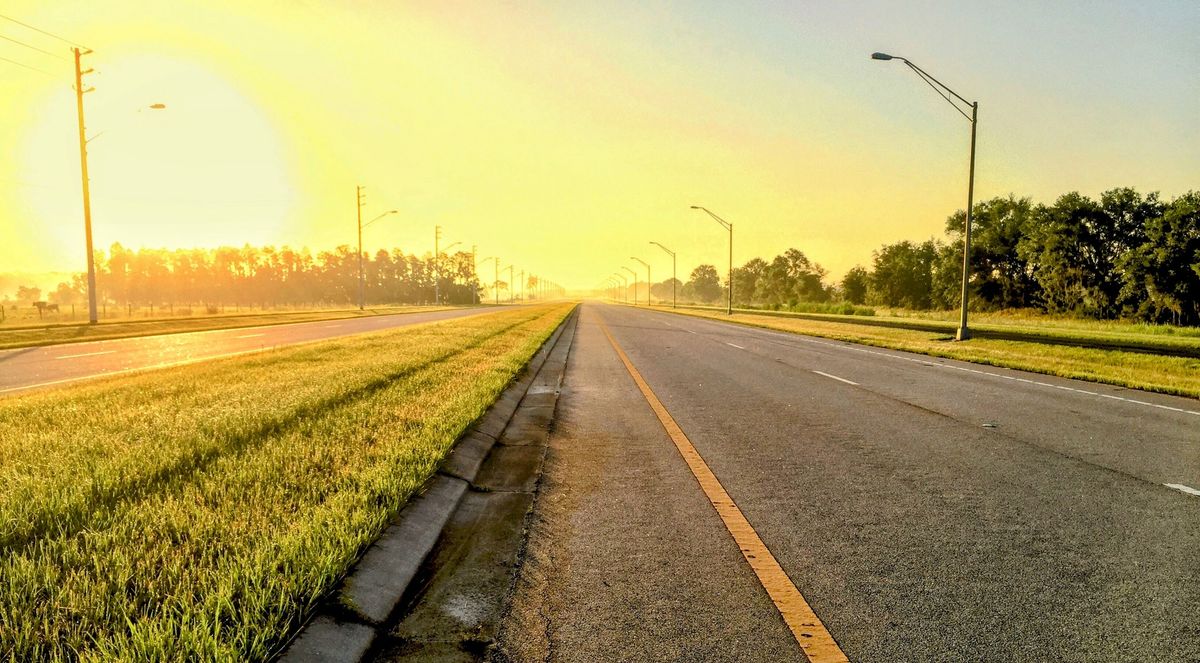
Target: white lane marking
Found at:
734, 345
1182, 488
250, 335
689, 331
926, 360
834, 377
87, 354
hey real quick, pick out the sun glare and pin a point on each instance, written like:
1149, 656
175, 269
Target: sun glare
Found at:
204, 166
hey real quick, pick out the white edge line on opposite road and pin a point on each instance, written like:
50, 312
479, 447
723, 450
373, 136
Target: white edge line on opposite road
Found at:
194, 360
227, 330
834, 377
251, 335
735, 345
87, 354
1183, 489
169, 364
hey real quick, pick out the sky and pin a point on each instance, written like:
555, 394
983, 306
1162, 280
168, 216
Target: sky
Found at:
563, 137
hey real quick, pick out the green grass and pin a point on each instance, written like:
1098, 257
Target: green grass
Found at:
201, 513
23, 336
1178, 375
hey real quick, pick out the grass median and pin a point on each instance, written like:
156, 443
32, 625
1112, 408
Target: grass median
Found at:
201, 513
26, 336
1179, 375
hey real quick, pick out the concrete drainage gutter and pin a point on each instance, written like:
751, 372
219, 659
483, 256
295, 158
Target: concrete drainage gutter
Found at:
361, 619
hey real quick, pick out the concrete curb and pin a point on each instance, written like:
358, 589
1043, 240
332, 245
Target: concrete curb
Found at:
345, 628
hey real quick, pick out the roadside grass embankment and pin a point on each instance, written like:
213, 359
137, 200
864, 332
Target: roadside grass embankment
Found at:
1160, 371
201, 513
27, 336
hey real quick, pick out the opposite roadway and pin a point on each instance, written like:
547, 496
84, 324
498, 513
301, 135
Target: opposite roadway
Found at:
27, 368
926, 509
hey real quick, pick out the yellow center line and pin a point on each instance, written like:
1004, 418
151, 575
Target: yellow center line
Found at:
816, 642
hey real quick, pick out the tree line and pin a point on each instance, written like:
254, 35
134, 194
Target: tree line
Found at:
269, 276
1125, 255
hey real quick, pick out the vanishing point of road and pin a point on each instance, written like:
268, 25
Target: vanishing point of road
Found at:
716, 492
29, 368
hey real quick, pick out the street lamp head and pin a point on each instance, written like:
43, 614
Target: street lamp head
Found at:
881, 56
697, 207
158, 106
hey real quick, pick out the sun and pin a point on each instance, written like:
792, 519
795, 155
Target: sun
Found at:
179, 156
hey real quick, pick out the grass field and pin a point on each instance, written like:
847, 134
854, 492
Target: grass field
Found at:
1166, 374
200, 513
48, 334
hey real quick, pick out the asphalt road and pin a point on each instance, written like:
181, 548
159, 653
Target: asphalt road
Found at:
927, 509
29, 368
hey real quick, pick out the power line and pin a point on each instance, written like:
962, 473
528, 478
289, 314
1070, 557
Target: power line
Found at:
48, 34
21, 64
39, 50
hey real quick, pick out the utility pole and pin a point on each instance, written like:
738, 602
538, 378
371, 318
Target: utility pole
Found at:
360, 198
496, 280
510, 284
87, 194
522, 285
437, 236
474, 275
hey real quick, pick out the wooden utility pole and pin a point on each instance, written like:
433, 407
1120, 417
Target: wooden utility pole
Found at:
360, 200
87, 195
437, 271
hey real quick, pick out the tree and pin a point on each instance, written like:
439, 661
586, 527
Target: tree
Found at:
27, 294
1000, 276
746, 281
705, 283
662, 291
903, 274
1163, 273
68, 293
855, 284
1073, 248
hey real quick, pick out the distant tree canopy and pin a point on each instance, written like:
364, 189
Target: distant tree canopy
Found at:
1125, 255
270, 276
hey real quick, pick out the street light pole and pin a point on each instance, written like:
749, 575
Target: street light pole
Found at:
624, 287
361, 225
647, 278
634, 283
673, 278
946, 93
438, 260
728, 226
